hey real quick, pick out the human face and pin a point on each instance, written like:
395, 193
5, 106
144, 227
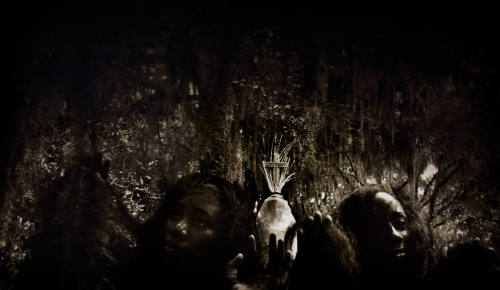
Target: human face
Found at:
391, 230
196, 224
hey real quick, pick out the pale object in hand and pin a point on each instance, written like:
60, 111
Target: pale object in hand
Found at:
275, 217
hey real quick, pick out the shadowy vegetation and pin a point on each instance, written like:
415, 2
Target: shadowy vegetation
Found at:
163, 94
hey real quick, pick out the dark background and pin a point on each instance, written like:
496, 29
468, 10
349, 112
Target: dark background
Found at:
369, 92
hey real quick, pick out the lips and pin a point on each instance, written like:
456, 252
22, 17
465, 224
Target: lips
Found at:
399, 252
172, 246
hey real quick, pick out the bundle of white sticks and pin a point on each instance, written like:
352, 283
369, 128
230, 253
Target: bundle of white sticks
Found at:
276, 169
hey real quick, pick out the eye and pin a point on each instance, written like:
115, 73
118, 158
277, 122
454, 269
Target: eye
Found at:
201, 223
399, 222
202, 220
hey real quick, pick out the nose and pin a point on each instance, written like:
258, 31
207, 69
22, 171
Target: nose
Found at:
395, 234
181, 228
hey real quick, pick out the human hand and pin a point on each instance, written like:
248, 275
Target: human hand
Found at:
250, 270
314, 231
325, 253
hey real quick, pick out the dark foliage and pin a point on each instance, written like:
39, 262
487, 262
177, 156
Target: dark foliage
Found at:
399, 94
468, 266
80, 243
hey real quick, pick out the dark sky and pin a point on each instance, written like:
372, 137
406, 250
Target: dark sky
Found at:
426, 35
415, 31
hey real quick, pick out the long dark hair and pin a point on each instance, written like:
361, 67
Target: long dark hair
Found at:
83, 237
150, 262
356, 212
230, 197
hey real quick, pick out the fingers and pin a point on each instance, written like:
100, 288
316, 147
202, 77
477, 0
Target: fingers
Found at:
282, 272
288, 260
252, 255
281, 251
276, 253
237, 260
328, 221
327, 224
304, 232
317, 224
272, 245
290, 234
252, 245
232, 267
313, 230
308, 226
280, 259
273, 253
311, 226
308, 223
301, 238
317, 217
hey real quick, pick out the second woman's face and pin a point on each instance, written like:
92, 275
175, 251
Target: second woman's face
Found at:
196, 224
391, 233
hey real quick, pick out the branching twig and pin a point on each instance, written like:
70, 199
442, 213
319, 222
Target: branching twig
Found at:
457, 196
342, 174
398, 189
434, 195
436, 190
355, 175
427, 187
434, 178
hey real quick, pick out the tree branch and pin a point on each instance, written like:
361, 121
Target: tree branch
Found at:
342, 174
354, 170
461, 194
444, 221
398, 189
427, 187
444, 181
434, 195
434, 178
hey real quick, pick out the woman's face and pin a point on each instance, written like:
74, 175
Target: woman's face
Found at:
196, 225
390, 232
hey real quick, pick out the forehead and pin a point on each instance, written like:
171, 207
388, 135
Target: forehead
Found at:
206, 195
384, 203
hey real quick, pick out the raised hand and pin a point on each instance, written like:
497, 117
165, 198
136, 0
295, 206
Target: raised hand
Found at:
251, 271
314, 231
324, 255
244, 267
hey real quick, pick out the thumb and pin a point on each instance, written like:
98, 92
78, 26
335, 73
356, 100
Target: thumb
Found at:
232, 267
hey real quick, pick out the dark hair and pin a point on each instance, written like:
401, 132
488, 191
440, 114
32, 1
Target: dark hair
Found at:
229, 196
356, 209
83, 237
469, 265
148, 268
356, 212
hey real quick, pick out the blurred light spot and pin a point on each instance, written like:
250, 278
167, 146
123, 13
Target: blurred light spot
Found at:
429, 172
371, 180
